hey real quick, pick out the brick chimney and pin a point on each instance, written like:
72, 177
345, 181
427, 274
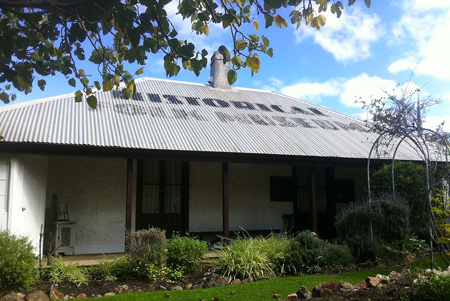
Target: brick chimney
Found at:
219, 71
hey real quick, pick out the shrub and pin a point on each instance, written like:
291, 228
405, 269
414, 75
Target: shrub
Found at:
434, 287
17, 262
185, 251
110, 270
146, 247
60, 272
276, 249
390, 223
142, 240
243, 259
411, 185
308, 253
164, 273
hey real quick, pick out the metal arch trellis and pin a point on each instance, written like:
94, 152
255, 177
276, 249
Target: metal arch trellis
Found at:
424, 151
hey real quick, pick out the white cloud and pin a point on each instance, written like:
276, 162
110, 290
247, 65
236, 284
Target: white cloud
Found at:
425, 26
348, 38
433, 121
272, 84
420, 5
365, 88
349, 90
312, 92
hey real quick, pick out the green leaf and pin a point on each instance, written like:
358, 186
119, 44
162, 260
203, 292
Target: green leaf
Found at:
367, 2
232, 77
78, 96
351, 2
237, 61
126, 93
97, 85
241, 45
269, 20
265, 41
92, 101
95, 58
72, 82
7, 87
226, 55
41, 84
107, 85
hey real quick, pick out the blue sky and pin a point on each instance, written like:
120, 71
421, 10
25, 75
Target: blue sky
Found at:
361, 54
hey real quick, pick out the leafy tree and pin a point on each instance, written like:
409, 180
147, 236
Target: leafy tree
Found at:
40, 38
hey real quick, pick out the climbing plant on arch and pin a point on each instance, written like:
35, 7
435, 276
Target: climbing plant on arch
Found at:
398, 120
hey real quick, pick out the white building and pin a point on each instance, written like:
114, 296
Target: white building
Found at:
181, 156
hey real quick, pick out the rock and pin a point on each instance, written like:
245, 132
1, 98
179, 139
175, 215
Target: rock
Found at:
291, 297
360, 285
151, 288
373, 281
38, 296
303, 293
177, 288
246, 280
215, 280
13, 297
345, 287
162, 288
383, 278
81, 296
326, 293
121, 289
110, 294
236, 281
55, 294
198, 286
332, 288
188, 286
394, 276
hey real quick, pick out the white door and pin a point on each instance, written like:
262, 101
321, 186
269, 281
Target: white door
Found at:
4, 175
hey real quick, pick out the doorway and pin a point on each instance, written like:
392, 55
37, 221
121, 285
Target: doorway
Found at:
162, 197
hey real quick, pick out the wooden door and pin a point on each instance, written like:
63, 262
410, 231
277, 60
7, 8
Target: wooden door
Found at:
161, 196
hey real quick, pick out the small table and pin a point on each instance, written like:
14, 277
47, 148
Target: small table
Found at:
64, 238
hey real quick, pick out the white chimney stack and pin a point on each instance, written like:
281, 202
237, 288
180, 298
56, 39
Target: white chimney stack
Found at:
219, 71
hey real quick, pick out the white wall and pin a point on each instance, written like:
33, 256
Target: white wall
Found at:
26, 209
249, 188
95, 190
4, 184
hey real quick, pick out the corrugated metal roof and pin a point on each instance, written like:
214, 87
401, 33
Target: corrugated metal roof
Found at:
171, 115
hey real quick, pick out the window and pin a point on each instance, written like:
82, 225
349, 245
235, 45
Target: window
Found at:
161, 187
282, 189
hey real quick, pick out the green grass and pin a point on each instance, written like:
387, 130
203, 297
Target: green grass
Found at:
265, 289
